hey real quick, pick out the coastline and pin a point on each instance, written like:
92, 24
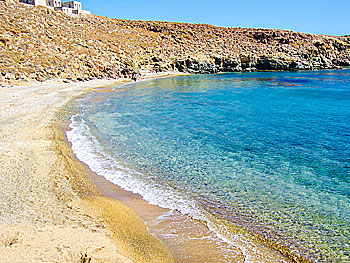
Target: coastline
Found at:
104, 222
190, 240
194, 241
50, 209
55, 208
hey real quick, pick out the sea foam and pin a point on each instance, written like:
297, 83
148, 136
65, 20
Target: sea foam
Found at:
89, 150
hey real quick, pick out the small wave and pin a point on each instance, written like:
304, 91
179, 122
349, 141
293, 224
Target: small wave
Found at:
89, 150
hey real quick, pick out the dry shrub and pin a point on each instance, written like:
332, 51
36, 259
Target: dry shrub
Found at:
9, 239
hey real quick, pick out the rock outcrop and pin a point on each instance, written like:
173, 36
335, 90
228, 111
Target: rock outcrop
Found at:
39, 44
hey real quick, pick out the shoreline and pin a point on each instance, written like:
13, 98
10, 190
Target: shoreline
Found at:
185, 229
164, 223
182, 249
48, 210
86, 201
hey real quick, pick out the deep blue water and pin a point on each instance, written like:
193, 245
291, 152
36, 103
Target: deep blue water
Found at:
269, 152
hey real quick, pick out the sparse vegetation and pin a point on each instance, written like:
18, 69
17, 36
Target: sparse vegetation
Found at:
84, 258
69, 255
81, 48
9, 239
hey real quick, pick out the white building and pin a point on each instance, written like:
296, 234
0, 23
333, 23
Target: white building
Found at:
75, 5
54, 3
66, 10
68, 7
85, 12
34, 2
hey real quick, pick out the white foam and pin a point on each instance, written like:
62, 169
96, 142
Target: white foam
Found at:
89, 150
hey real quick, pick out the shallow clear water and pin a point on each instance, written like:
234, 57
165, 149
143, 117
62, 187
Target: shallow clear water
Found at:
269, 152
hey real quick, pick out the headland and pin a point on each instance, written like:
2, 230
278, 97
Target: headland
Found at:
37, 43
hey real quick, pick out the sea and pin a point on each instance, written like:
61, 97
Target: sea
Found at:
266, 153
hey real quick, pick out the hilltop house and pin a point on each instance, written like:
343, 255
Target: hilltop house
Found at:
68, 7
34, 2
54, 3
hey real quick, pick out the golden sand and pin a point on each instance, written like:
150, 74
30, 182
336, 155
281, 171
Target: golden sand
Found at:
128, 232
50, 211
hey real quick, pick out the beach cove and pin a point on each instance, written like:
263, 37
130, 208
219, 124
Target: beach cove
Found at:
55, 208
51, 209
242, 158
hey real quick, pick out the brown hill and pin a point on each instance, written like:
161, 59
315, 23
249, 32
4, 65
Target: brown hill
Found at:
38, 43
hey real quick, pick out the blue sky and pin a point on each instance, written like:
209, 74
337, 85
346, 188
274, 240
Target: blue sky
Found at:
330, 17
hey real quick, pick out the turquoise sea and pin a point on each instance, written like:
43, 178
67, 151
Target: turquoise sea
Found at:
267, 153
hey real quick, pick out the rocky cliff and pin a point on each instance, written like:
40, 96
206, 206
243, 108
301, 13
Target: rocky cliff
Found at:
38, 44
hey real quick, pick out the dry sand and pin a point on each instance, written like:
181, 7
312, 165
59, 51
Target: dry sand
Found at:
49, 209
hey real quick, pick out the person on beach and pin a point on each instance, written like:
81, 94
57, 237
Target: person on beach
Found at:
135, 76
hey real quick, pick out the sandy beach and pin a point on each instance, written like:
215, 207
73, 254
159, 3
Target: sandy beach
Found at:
54, 209
50, 211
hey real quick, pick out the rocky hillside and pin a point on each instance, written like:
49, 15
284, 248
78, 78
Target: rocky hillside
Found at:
38, 44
